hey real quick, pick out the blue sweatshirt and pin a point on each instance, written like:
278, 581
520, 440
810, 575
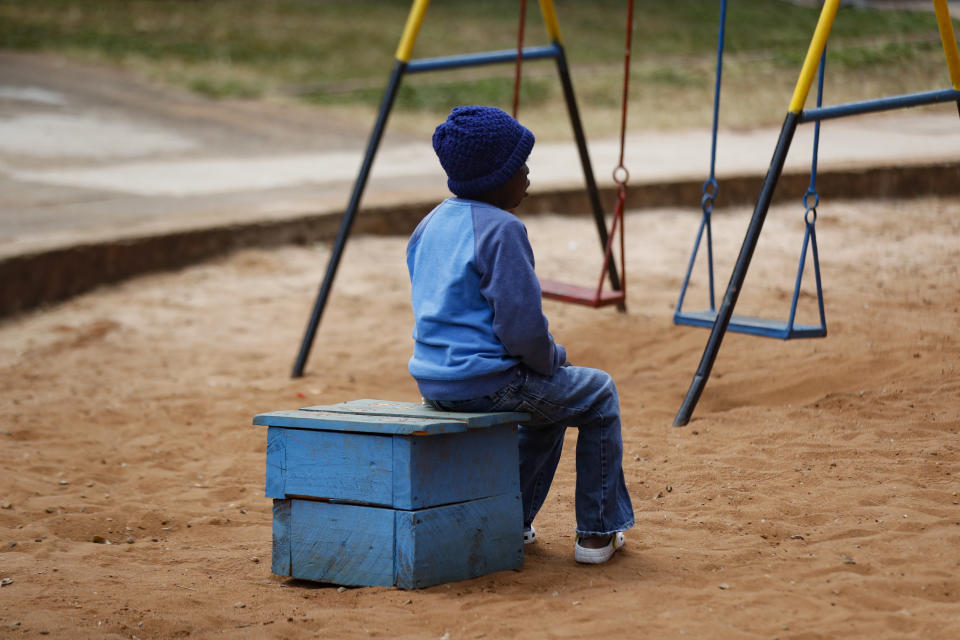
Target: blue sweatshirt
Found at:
476, 302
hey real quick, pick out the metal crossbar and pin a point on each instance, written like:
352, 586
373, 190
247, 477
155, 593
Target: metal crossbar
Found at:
550, 51
880, 104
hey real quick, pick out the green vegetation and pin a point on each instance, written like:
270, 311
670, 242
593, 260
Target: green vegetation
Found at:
339, 52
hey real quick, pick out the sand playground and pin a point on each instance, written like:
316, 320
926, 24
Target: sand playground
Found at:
814, 494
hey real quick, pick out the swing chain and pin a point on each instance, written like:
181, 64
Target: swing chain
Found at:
621, 176
710, 189
810, 214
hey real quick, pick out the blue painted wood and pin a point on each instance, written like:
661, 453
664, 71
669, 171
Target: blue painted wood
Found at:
281, 538
276, 463
372, 407
340, 543
456, 467
320, 420
424, 510
459, 541
402, 490
350, 467
366, 546
405, 472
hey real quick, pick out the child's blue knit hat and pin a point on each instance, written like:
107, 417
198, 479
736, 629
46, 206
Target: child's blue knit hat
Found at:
480, 148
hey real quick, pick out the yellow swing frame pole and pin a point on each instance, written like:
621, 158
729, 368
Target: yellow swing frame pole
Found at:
411, 29
419, 8
549, 13
949, 41
817, 45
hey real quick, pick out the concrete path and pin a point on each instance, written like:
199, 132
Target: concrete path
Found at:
88, 156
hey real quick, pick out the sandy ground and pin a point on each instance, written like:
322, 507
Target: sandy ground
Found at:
814, 495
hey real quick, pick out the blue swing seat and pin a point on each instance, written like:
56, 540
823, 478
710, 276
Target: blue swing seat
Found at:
755, 326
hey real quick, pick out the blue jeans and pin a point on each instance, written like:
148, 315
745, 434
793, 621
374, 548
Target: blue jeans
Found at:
574, 396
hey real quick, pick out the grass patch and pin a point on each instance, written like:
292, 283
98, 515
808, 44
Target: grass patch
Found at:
340, 52
418, 94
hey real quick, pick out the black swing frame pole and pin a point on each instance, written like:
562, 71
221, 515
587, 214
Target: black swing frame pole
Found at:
592, 192
346, 223
739, 270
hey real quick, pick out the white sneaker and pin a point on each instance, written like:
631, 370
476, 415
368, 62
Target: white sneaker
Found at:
529, 535
601, 555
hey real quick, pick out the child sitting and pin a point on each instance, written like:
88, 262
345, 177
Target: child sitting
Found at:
481, 339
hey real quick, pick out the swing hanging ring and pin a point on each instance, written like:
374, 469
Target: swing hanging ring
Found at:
621, 176
706, 203
816, 200
810, 216
710, 188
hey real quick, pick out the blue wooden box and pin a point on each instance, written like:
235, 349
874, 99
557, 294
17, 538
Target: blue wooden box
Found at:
372, 492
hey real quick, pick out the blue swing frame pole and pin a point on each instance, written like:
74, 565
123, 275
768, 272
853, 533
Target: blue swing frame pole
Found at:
479, 59
880, 104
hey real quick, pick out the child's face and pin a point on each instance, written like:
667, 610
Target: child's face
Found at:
513, 193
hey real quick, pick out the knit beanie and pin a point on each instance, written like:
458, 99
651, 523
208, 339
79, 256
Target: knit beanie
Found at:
480, 149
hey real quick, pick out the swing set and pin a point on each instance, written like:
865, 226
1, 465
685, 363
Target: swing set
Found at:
721, 320
405, 65
770, 328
